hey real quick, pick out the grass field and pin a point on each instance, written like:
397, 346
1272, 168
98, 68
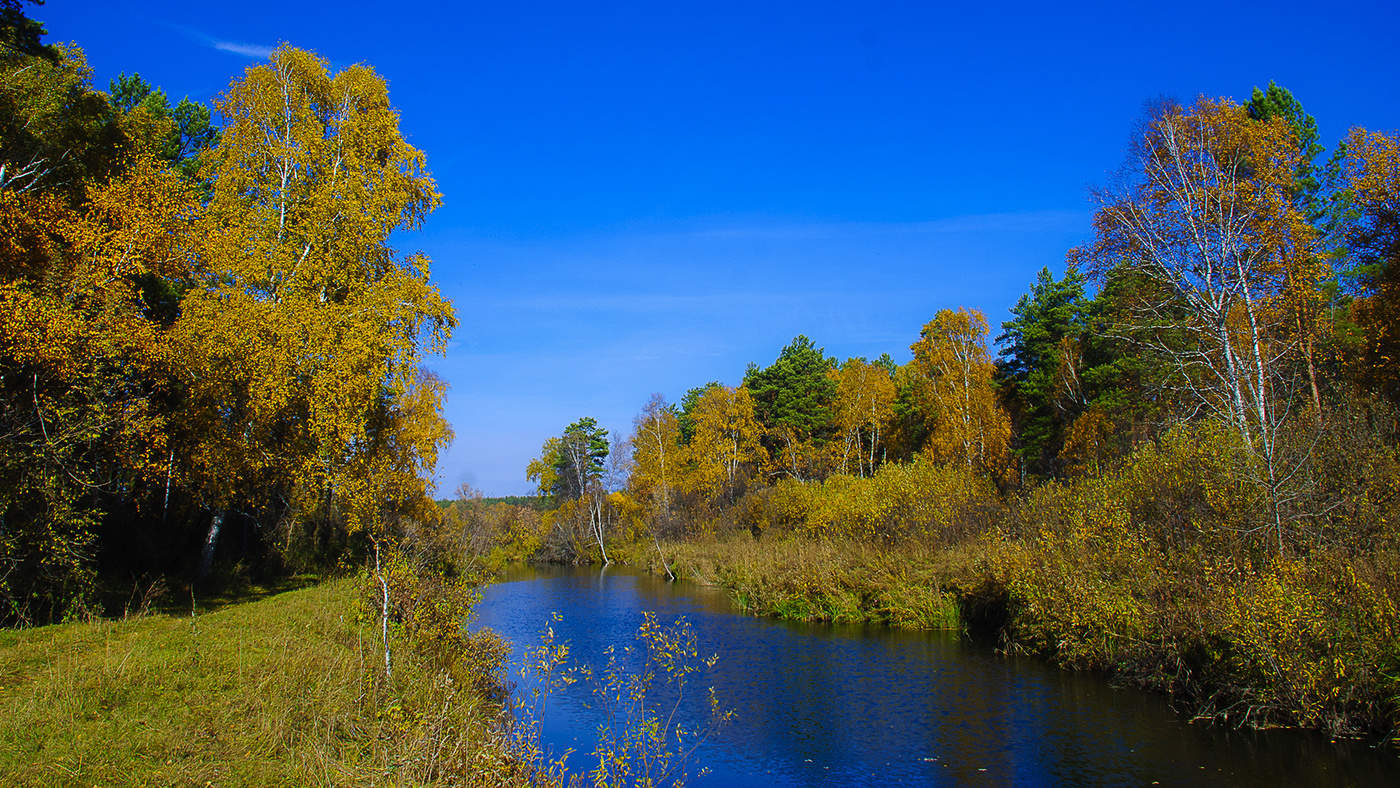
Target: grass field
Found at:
278, 691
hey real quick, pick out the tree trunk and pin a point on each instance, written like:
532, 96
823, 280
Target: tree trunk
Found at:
206, 558
1312, 381
671, 576
595, 513
383, 613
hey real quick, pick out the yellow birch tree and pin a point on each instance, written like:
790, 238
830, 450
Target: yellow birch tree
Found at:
655, 454
306, 328
865, 396
954, 373
726, 442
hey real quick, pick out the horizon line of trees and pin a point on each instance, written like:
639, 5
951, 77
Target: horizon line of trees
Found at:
1233, 277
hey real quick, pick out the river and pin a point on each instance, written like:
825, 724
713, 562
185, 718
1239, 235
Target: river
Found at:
864, 705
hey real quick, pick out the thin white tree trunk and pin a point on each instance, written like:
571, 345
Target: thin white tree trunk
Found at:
211, 540
383, 612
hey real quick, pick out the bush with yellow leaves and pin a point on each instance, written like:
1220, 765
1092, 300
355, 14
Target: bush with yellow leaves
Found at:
1156, 571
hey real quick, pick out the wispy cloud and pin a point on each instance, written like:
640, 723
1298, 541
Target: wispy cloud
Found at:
255, 51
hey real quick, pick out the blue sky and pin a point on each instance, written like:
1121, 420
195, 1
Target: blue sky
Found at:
643, 197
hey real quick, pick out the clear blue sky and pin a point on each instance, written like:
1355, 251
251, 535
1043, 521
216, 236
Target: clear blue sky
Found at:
643, 197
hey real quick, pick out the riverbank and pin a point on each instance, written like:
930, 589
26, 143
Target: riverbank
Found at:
836, 704
912, 587
1162, 569
283, 690
1307, 644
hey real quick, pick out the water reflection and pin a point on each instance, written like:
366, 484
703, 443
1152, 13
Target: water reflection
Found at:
848, 705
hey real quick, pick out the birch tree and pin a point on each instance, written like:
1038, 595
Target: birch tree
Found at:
865, 396
1205, 210
655, 444
305, 326
726, 442
954, 374
570, 468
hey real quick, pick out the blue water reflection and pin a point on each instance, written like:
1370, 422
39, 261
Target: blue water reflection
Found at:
847, 705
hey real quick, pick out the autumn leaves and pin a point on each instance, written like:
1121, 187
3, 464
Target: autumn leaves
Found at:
806, 417
195, 333
305, 313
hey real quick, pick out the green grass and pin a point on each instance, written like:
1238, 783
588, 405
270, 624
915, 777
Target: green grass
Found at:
279, 691
906, 586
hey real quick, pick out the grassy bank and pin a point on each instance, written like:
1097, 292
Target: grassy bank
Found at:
911, 587
1151, 572
1312, 644
285, 690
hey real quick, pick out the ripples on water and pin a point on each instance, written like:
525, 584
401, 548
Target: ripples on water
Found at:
852, 705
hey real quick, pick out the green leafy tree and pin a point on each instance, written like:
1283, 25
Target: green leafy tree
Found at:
19, 35
1110, 378
796, 392
908, 428
570, 470
181, 133
1038, 346
686, 418
572, 462
129, 91
1306, 192
794, 400
1278, 102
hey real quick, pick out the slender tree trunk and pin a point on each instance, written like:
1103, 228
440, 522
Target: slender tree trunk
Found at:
211, 540
169, 474
595, 514
656, 541
661, 454
1312, 376
383, 612
1239, 412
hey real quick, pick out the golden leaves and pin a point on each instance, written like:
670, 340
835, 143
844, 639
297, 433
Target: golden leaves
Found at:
865, 395
656, 453
302, 344
311, 179
953, 373
725, 444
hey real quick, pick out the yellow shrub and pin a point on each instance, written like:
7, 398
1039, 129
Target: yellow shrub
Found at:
941, 503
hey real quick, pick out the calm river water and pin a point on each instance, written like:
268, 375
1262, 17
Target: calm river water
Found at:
850, 705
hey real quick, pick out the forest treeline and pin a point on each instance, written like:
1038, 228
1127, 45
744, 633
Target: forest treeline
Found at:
1180, 462
208, 346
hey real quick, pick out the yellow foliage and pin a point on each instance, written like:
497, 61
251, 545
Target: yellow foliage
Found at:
953, 373
1089, 443
1373, 173
301, 346
656, 457
725, 445
865, 396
